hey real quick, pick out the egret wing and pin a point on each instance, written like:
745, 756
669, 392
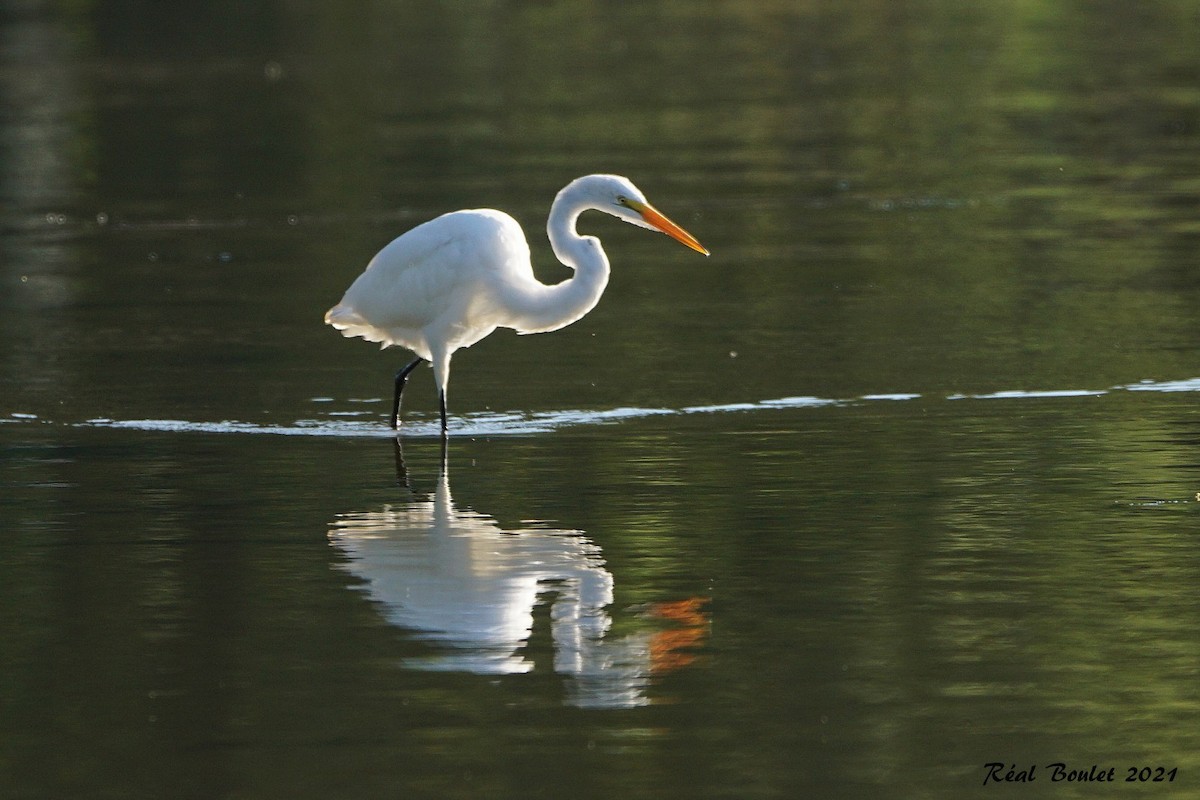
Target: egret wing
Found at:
432, 276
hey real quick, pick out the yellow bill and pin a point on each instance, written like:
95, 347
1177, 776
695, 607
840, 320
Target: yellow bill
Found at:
656, 219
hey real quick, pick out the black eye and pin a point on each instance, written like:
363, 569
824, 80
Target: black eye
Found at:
622, 200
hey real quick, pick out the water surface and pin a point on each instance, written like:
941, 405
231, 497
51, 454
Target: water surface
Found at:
898, 483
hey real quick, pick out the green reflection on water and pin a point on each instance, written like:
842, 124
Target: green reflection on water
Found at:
929, 198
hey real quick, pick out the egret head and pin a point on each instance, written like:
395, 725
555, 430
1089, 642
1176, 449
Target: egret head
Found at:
616, 195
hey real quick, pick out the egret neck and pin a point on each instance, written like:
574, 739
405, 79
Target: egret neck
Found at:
541, 308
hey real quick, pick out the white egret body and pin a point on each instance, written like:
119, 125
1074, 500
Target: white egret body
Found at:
451, 281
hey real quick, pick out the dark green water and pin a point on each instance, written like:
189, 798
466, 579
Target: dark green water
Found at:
902, 481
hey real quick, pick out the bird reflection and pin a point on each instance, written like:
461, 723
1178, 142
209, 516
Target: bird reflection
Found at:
470, 588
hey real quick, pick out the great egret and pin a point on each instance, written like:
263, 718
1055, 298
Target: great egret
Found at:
450, 282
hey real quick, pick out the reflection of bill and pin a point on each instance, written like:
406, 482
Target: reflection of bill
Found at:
675, 647
461, 582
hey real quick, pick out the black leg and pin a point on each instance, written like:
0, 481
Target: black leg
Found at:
401, 377
442, 404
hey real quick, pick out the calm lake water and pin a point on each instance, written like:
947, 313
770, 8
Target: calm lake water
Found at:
901, 483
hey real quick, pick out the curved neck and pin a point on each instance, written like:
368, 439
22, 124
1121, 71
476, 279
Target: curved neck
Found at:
548, 308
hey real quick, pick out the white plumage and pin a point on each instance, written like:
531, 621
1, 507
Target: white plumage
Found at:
450, 282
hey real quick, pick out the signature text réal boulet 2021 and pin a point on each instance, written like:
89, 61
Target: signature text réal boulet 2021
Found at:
1058, 772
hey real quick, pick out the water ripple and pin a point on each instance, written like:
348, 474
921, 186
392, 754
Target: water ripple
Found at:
354, 423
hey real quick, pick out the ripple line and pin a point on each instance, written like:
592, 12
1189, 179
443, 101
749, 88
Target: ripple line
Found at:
351, 423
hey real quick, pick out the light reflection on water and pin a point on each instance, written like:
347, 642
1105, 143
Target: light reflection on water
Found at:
340, 423
987, 581
470, 587
894, 426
